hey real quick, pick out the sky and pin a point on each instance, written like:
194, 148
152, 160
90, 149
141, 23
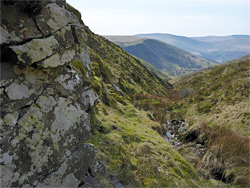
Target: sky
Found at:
179, 17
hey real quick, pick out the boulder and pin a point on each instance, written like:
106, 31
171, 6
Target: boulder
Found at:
168, 134
181, 130
117, 183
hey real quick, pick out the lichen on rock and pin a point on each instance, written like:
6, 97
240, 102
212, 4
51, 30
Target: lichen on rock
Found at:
45, 119
17, 92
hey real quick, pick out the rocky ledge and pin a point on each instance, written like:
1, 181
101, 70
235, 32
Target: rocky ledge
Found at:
45, 100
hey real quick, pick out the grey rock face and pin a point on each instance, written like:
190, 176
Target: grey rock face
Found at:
117, 183
98, 168
174, 129
16, 26
168, 134
44, 101
74, 163
90, 181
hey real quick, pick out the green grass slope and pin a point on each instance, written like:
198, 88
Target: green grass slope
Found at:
116, 67
244, 58
125, 139
215, 105
159, 73
219, 95
169, 59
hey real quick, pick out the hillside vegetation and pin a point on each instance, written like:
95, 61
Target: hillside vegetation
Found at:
244, 58
125, 139
168, 59
118, 68
215, 104
127, 142
79, 111
215, 48
159, 73
218, 95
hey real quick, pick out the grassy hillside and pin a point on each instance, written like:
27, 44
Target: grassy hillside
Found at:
169, 59
215, 48
116, 67
127, 142
159, 73
125, 139
215, 105
244, 58
218, 95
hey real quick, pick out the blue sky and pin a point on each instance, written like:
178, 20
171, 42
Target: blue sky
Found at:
180, 17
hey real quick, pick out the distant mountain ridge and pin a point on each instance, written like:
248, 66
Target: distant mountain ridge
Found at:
214, 48
244, 58
167, 58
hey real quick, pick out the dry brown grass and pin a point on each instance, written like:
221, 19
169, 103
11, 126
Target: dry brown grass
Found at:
227, 156
158, 105
172, 95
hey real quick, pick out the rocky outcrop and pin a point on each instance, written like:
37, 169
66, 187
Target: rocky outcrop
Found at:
174, 129
45, 99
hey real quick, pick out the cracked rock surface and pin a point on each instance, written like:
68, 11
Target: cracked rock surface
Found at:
45, 103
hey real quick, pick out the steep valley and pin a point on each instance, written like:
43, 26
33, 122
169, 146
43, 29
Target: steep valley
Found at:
118, 132
168, 59
126, 140
215, 105
79, 111
215, 48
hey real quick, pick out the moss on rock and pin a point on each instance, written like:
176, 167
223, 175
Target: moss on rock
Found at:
78, 65
75, 12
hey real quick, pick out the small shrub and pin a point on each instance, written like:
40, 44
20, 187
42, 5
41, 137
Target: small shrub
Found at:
158, 104
204, 107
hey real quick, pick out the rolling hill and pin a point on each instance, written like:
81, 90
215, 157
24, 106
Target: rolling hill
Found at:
244, 58
116, 67
159, 73
214, 48
218, 95
168, 59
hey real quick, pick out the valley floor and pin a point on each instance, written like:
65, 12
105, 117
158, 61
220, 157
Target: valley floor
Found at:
130, 145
